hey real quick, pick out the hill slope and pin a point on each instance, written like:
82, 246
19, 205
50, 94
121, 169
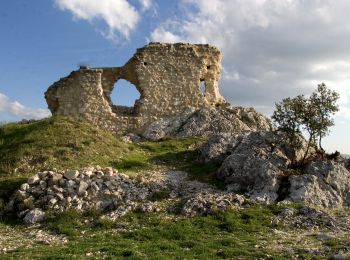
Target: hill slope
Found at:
250, 231
56, 142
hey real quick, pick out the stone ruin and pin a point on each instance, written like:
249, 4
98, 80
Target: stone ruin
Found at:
168, 77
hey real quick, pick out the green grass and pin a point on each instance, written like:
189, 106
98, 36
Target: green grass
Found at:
56, 142
224, 235
66, 143
60, 142
9, 184
180, 154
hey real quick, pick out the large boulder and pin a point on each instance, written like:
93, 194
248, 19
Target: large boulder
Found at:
218, 147
255, 165
208, 121
165, 127
258, 165
324, 183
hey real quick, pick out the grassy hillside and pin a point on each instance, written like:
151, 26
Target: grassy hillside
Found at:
58, 142
55, 142
66, 143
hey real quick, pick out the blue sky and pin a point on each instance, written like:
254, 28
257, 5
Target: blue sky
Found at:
272, 49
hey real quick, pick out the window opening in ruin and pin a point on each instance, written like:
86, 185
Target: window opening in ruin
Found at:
145, 63
202, 87
124, 94
208, 67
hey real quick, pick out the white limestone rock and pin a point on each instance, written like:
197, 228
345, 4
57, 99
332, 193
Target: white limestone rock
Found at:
24, 187
255, 165
325, 184
71, 174
33, 179
208, 121
218, 147
34, 216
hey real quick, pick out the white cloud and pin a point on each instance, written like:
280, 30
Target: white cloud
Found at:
273, 49
119, 15
20, 111
146, 4
163, 34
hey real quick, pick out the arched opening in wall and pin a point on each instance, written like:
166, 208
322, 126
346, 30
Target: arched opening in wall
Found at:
124, 96
202, 87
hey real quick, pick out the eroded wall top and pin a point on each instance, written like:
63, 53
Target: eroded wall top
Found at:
168, 77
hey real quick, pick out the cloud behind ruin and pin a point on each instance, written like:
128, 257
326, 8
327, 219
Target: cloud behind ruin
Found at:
19, 111
272, 49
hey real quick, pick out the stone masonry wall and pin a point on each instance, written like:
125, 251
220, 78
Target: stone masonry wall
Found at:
168, 77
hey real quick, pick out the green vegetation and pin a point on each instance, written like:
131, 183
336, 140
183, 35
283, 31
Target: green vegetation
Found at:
223, 235
179, 154
236, 234
55, 142
313, 114
66, 143
61, 142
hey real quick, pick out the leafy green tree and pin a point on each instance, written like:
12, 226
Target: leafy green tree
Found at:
287, 117
321, 107
313, 114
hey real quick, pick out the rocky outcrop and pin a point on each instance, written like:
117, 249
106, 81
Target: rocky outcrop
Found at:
258, 165
208, 121
324, 183
218, 147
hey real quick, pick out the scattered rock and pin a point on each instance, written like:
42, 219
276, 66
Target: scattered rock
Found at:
55, 178
82, 187
288, 212
339, 257
24, 187
131, 138
311, 218
71, 175
33, 179
207, 203
116, 194
34, 216
324, 237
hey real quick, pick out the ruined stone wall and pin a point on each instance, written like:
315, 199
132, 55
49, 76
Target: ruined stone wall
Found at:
168, 77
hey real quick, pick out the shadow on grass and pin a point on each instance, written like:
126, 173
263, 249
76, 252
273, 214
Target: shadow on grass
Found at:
7, 187
187, 161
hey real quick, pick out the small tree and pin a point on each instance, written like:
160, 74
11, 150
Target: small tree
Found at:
287, 117
313, 114
322, 105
